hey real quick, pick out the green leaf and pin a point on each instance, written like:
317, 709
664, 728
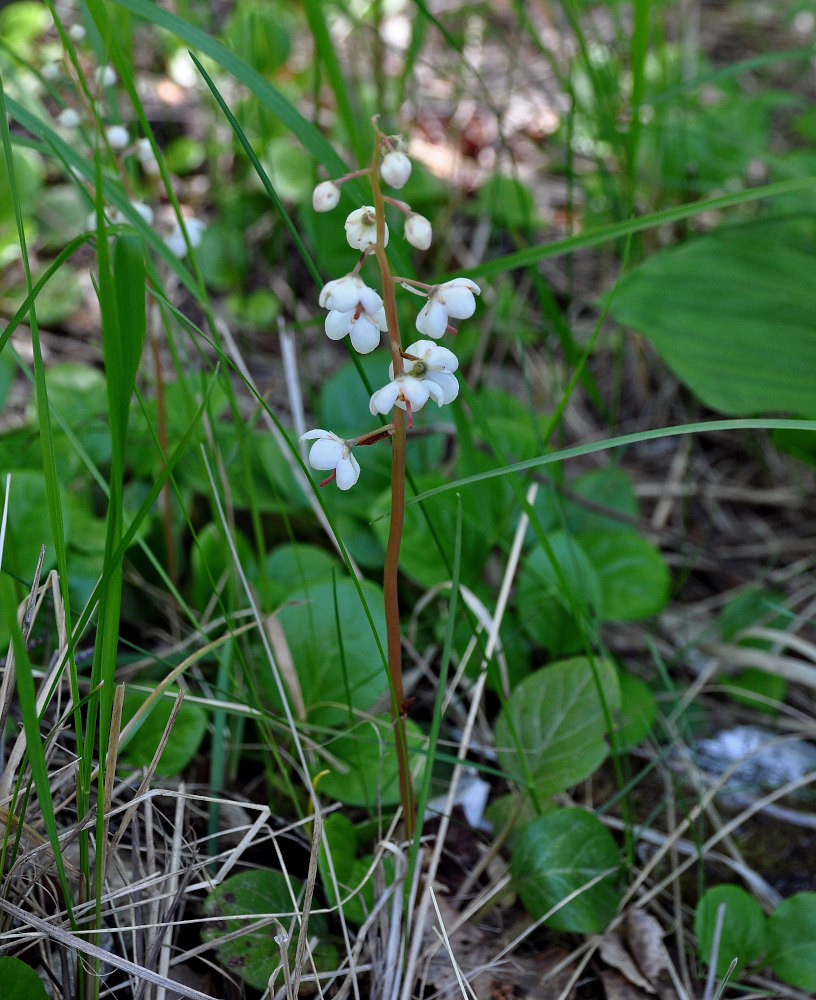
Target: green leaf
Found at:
241, 899
732, 315
633, 576
743, 927
752, 682
185, 737
20, 981
609, 487
551, 733
545, 608
556, 855
638, 711
28, 525
297, 567
367, 774
338, 658
349, 869
791, 933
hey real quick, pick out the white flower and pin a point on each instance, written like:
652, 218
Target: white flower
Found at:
430, 376
176, 243
356, 310
453, 298
51, 70
68, 118
361, 229
106, 76
395, 169
331, 452
418, 231
77, 32
118, 136
325, 196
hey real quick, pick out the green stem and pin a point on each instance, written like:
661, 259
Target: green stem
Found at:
392, 552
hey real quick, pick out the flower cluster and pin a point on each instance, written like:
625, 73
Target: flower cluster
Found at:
425, 369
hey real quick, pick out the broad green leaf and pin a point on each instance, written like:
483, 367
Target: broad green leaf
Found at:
184, 740
337, 657
244, 898
553, 728
732, 315
757, 688
638, 711
297, 566
791, 933
349, 869
366, 773
559, 853
20, 981
743, 927
28, 525
633, 576
546, 609
610, 488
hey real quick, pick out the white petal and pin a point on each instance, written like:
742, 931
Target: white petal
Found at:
342, 293
459, 302
325, 454
432, 319
445, 383
442, 357
415, 391
369, 299
318, 432
365, 335
383, 399
348, 471
338, 323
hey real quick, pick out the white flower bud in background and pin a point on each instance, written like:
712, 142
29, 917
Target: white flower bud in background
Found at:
146, 157
105, 76
76, 32
51, 70
361, 229
68, 118
176, 243
139, 207
395, 168
325, 197
331, 452
118, 136
418, 231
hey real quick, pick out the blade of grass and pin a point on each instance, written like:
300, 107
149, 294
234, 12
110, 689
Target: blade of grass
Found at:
703, 427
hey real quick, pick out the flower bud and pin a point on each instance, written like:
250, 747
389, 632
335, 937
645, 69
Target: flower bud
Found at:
68, 118
395, 168
325, 196
105, 76
418, 231
118, 136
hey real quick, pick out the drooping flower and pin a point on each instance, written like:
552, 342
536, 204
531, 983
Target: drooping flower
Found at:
452, 298
361, 229
325, 196
118, 136
418, 231
427, 374
356, 310
395, 168
105, 76
68, 118
175, 241
331, 452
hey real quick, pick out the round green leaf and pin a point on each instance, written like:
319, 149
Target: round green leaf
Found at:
634, 579
545, 607
743, 927
638, 711
336, 654
609, 487
551, 733
236, 903
559, 853
791, 934
367, 773
184, 740
20, 981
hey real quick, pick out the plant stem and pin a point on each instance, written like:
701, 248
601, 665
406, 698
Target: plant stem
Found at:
392, 552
